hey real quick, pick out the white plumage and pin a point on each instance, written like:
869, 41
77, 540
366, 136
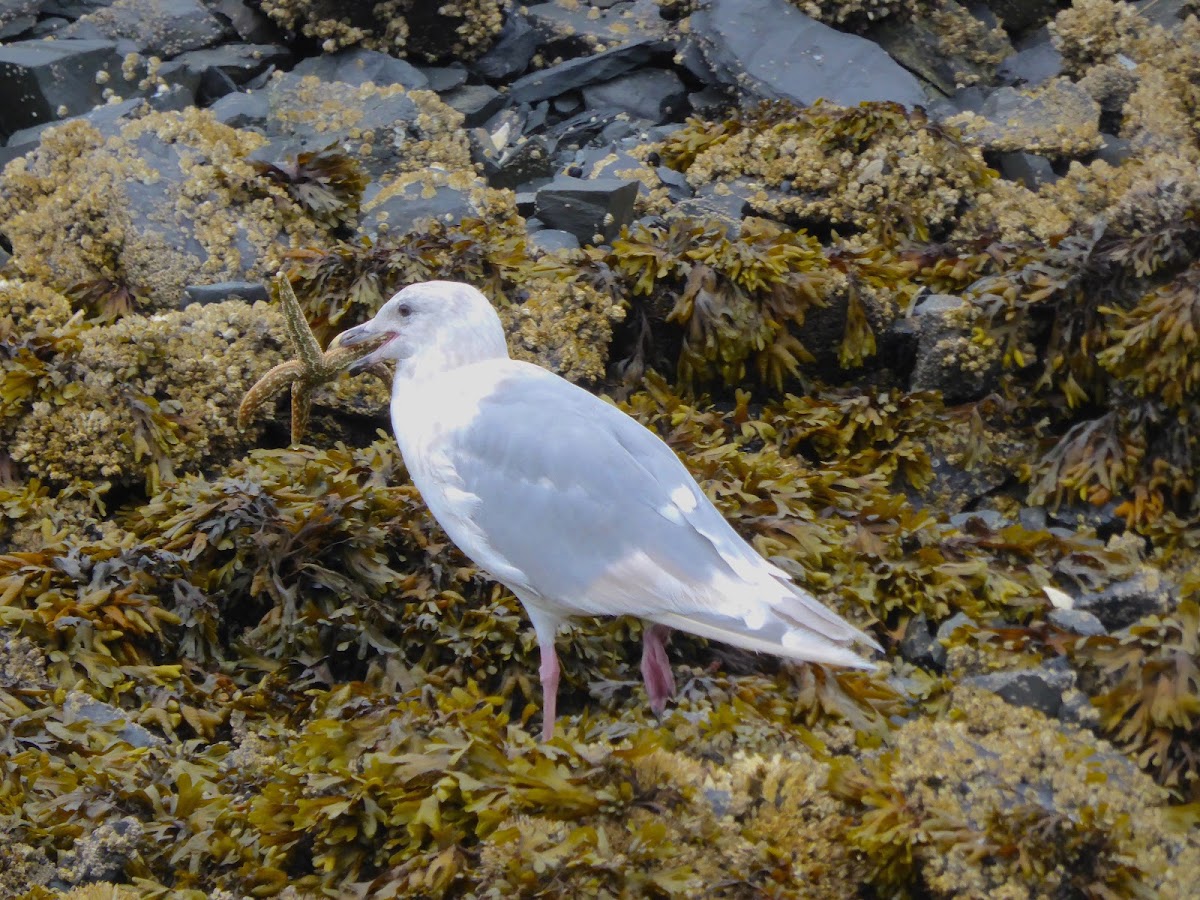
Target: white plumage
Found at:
573, 505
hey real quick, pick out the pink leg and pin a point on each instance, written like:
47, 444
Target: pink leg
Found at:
656, 668
549, 672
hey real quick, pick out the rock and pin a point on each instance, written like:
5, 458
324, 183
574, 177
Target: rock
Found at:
241, 110
594, 211
947, 359
1076, 621
427, 195
45, 81
1020, 15
477, 103
727, 200
987, 518
657, 95
250, 291
1059, 118
577, 73
1029, 169
102, 854
246, 20
768, 49
1039, 688
958, 620
548, 240
444, 78
358, 66
511, 53
575, 29
1033, 518
1124, 603
919, 646
1113, 150
514, 163
161, 28
240, 62
106, 119
919, 44
1036, 61
81, 707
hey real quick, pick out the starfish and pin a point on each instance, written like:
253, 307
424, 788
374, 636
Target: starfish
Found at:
311, 368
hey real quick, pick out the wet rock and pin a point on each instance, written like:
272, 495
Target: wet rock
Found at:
1036, 61
106, 119
657, 95
587, 209
947, 358
1076, 621
477, 103
958, 620
1113, 150
239, 62
988, 519
101, 854
81, 707
1122, 604
920, 647
162, 28
727, 200
768, 49
250, 291
1059, 118
358, 66
550, 239
568, 29
583, 71
45, 81
1020, 15
246, 20
511, 53
444, 78
241, 110
1029, 169
1039, 688
394, 209
509, 164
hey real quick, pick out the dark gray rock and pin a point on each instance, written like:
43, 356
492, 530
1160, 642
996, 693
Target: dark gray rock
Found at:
1028, 168
979, 518
1039, 688
1033, 518
1122, 604
768, 49
574, 30
508, 158
162, 28
550, 239
567, 104
727, 200
477, 103
250, 291
657, 95
240, 62
676, 183
944, 360
358, 66
920, 647
511, 53
587, 208
916, 43
246, 20
1036, 61
106, 119
1113, 150
577, 73
1021, 15
1058, 114
444, 78
81, 707
402, 208
1076, 621
958, 620
44, 81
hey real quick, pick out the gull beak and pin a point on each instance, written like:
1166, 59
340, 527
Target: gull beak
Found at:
364, 334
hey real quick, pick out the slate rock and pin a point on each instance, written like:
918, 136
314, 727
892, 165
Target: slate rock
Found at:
989, 519
657, 95
769, 50
107, 119
1124, 603
44, 81
246, 20
250, 291
1113, 150
583, 71
1059, 117
81, 707
1021, 15
397, 209
958, 620
944, 361
511, 53
1076, 621
477, 103
162, 28
725, 200
920, 647
1040, 688
240, 62
444, 78
1029, 169
509, 162
586, 208
357, 65
548, 240
574, 29
1036, 61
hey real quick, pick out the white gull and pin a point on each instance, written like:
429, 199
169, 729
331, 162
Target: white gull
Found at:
574, 506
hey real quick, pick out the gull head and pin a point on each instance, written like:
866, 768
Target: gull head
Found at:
430, 327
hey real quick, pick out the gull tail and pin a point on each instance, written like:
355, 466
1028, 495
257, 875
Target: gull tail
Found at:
791, 624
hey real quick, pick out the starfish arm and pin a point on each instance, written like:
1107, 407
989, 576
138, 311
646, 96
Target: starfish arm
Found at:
301, 405
267, 387
334, 362
305, 343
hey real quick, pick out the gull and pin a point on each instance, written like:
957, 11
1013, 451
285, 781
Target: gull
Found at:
574, 506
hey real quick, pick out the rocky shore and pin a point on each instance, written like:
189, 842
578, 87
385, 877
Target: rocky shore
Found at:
912, 287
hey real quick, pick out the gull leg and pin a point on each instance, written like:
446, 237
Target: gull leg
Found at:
546, 629
656, 668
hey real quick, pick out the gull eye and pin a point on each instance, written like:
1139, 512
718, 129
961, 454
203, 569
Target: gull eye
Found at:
404, 310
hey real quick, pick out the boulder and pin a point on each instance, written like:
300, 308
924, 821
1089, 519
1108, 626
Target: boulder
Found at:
592, 210
44, 81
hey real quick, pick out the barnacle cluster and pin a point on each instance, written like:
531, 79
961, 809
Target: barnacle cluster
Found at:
460, 29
